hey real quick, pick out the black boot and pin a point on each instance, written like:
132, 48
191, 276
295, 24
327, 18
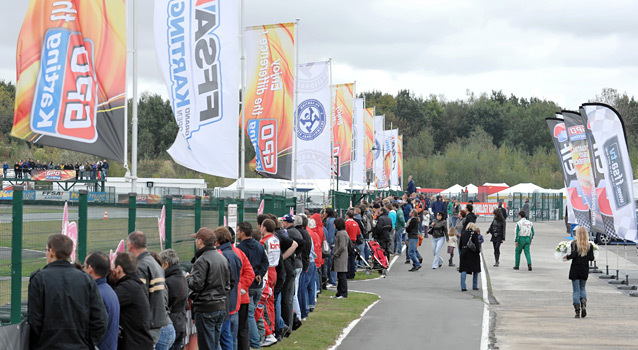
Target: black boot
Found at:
577, 310
450, 262
529, 267
583, 307
496, 256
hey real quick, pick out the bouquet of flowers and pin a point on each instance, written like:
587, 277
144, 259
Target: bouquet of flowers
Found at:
563, 248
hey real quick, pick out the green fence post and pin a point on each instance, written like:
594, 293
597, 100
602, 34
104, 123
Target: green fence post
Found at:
198, 213
240, 210
222, 212
132, 202
16, 255
168, 231
83, 225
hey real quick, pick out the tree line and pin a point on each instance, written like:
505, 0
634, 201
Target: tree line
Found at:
482, 138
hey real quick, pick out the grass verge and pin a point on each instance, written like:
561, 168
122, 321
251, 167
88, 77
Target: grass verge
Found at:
324, 326
361, 275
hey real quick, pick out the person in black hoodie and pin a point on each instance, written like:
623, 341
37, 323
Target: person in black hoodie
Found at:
382, 231
135, 310
177, 294
59, 286
470, 217
257, 256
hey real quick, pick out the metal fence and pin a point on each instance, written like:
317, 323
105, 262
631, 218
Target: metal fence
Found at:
25, 226
542, 206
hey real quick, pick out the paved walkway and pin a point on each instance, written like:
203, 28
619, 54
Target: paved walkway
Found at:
535, 311
527, 310
419, 310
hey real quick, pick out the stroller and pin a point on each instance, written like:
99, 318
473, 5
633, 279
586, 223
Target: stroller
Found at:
379, 260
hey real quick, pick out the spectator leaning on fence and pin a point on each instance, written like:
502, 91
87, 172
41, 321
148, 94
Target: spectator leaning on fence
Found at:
97, 265
152, 275
177, 294
135, 310
60, 286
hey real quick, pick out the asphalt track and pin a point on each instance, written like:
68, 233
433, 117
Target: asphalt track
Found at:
419, 310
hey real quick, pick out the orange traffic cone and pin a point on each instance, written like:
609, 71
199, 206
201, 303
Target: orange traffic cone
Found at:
106, 214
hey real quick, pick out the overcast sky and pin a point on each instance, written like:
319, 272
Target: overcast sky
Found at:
561, 50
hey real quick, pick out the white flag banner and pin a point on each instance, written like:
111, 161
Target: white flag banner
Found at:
198, 52
391, 149
607, 128
378, 154
358, 135
313, 126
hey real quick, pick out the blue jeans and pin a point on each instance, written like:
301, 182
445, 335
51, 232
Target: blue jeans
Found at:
255, 295
454, 220
167, 338
475, 276
413, 252
331, 276
366, 252
228, 335
437, 244
578, 286
209, 326
279, 321
398, 240
312, 286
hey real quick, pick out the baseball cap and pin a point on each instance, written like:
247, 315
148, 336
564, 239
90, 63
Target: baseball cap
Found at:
288, 218
205, 234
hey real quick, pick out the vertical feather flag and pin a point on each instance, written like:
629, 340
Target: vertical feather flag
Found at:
161, 223
260, 210
119, 249
69, 229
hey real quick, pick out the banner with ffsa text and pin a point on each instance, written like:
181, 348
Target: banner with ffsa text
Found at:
269, 100
71, 70
197, 49
609, 131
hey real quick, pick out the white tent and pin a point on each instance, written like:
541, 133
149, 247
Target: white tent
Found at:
494, 184
526, 187
472, 189
454, 189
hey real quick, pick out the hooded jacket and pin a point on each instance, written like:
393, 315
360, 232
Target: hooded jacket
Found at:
257, 256
135, 318
234, 262
177, 296
317, 238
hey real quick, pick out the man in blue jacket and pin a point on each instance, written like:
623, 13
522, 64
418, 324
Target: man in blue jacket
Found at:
230, 326
411, 187
439, 207
97, 265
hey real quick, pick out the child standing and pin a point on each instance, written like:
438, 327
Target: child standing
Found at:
451, 245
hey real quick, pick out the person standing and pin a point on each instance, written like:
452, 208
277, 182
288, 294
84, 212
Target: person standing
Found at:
5, 169
60, 286
210, 283
228, 333
470, 260
439, 234
256, 255
152, 275
524, 237
412, 230
497, 230
526, 208
439, 206
411, 187
266, 305
135, 310
328, 218
382, 232
341, 258
353, 230
582, 253
392, 214
399, 230
177, 295
97, 265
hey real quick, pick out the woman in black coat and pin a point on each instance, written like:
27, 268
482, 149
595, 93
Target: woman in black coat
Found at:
497, 229
470, 261
582, 253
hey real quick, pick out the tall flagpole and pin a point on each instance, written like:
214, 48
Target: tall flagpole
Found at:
242, 145
384, 181
134, 118
332, 105
294, 134
390, 177
128, 174
402, 168
352, 142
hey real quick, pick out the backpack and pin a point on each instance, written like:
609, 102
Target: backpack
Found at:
367, 223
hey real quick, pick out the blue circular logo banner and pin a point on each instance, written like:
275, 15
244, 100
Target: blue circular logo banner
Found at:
312, 119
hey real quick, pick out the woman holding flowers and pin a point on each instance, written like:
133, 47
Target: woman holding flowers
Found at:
582, 252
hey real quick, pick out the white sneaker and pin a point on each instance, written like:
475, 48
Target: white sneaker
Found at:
269, 341
329, 285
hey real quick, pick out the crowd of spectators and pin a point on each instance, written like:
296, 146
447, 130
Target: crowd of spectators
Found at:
23, 169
